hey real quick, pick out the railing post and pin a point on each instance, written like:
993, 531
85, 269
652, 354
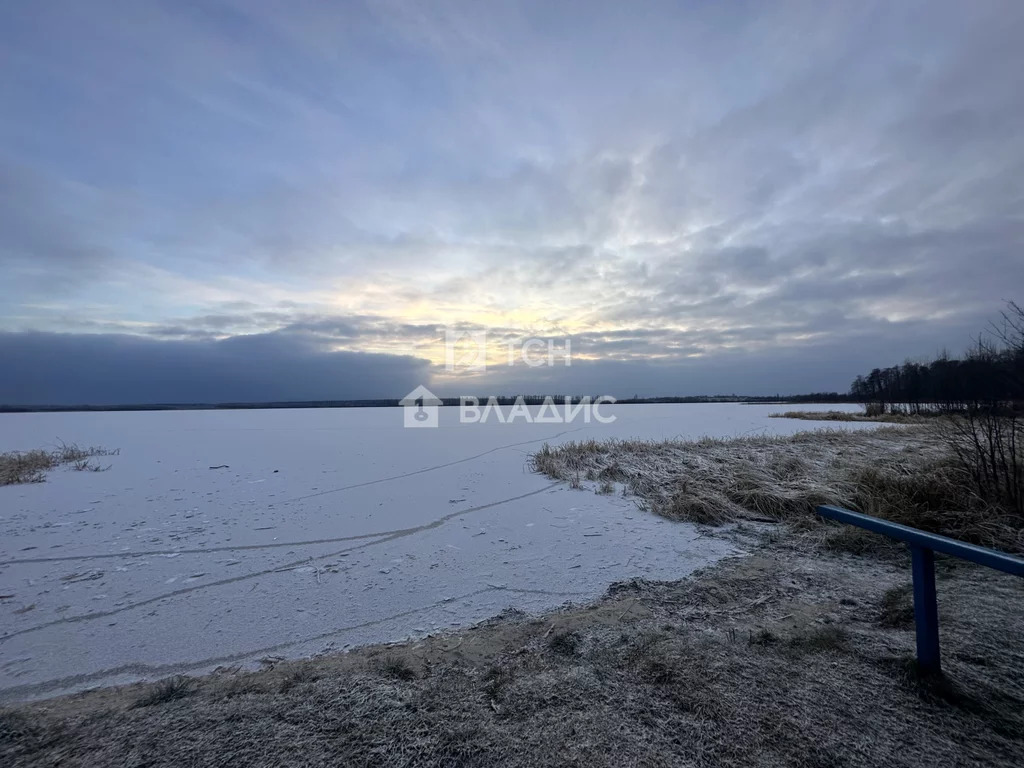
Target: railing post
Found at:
926, 609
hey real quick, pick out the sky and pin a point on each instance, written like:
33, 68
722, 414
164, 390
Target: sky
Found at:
223, 200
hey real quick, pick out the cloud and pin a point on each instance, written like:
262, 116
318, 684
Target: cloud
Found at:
105, 369
300, 364
689, 184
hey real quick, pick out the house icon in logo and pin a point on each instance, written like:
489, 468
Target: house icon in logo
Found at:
420, 408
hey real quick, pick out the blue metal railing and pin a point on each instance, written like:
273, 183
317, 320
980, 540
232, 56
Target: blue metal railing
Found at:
923, 546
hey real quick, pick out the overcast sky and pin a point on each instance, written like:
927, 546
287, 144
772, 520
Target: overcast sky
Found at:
259, 199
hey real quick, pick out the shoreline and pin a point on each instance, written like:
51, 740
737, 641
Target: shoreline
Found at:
799, 646
788, 633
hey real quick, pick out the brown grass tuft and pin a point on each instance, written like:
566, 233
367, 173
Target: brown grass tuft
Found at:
868, 415
18, 467
564, 643
171, 689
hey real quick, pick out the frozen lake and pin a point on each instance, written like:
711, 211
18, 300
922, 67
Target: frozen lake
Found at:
328, 528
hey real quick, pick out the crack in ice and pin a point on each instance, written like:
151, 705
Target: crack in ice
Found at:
397, 534
427, 469
276, 545
16, 693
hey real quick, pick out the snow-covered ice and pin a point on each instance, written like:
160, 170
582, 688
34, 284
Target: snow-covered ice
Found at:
328, 528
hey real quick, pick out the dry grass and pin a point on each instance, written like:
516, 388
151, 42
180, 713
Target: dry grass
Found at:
397, 667
25, 467
564, 643
31, 466
886, 418
897, 611
760, 661
900, 473
171, 689
299, 675
857, 541
821, 639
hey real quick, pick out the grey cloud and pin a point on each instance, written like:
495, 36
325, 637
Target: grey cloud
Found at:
103, 369
45, 368
823, 364
702, 182
42, 219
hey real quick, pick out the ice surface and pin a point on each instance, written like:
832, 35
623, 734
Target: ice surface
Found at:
328, 528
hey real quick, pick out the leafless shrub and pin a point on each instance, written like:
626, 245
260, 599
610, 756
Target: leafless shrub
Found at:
984, 429
85, 465
31, 466
27, 467
988, 443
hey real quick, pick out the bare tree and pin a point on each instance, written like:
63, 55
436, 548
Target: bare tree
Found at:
987, 433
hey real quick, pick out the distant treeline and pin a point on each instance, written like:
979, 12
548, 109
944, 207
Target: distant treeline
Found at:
991, 372
816, 397
198, 406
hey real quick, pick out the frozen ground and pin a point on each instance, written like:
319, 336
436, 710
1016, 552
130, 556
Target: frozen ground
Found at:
326, 529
